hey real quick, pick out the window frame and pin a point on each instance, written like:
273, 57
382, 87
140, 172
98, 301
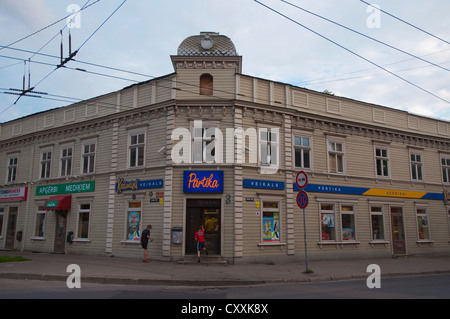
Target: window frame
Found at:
336, 153
273, 211
302, 148
138, 145
377, 213
80, 212
383, 160
445, 168
66, 161
211, 138
328, 212
12, 167
88, 155
40, 211
420, 217
351, 213
45, 164
416, 166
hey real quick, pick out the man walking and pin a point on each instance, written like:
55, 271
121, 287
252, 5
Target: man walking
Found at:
145, 237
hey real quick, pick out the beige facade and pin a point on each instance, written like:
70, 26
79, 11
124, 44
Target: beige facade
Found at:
378, 178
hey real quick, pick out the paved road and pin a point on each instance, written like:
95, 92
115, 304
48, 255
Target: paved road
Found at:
413, 287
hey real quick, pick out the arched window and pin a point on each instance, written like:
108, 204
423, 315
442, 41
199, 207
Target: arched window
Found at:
206, 84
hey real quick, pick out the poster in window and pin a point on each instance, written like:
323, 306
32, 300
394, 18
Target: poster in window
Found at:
348, 233
271, 228
134, 220
328, 219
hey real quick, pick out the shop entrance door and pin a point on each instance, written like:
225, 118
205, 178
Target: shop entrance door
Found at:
206, 213
398, 233
11, 228
60, 232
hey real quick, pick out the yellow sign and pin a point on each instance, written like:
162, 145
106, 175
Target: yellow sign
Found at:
394, 193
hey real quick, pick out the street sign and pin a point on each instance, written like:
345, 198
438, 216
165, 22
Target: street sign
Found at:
301, 180
302, 199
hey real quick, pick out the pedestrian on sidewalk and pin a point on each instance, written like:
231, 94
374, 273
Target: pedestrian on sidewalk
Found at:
200, 239
145, 237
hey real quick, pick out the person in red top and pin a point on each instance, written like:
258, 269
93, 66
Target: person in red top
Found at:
200, 239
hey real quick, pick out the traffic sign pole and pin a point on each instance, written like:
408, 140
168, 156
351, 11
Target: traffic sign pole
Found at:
302, 201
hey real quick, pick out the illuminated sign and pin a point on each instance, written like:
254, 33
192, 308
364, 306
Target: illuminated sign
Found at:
203, 182
124, 185
13, 194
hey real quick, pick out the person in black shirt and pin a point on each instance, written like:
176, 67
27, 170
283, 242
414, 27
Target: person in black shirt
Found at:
145, 237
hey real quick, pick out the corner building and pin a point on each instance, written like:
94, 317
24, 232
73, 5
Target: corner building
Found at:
208, 145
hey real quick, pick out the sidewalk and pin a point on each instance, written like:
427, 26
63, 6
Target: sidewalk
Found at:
97, 269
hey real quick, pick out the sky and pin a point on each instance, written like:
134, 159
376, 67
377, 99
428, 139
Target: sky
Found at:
291, 46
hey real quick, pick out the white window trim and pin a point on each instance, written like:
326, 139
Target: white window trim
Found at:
10, 156
416, 152
336, 140
139, 197
83, 144
262, 199
444, 156
382, 147
427, 215
384, 240
294, 147
80, 239
218, 141
63, 147
42, 151
39, 212
142, 130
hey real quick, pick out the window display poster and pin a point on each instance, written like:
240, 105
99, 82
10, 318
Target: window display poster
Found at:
271, 228
134, 220
328, 219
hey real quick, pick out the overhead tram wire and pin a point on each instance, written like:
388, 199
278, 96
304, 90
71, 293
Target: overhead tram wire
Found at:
364, 35
350, 51
406, 22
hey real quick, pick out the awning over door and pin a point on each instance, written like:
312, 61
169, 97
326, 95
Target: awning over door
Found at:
58, 202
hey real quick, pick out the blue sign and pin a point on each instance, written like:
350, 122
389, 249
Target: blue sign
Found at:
254, 183
203, 182
135, 184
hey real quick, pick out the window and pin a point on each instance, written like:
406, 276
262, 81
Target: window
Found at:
445, 164
134, 221
382, 162
422, 223
302, 151
327, 222
66, 161
88, 158
40, 222
83, 221
416, 167
268, 146
46, 162
12, 168
377, 223
348, 222
137, 149
206, 84
270, 222
336, 157
206, 142
448, 211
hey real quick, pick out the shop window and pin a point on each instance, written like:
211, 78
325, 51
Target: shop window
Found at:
206, 84
270, 222
382, 162
377, 223
89, 150
416, 167
134, 220
12, 168
66, 161
136, 149
40, 222
422, 224
328, 229
335, 157
46, 163
348, 222
83, 221
302, 151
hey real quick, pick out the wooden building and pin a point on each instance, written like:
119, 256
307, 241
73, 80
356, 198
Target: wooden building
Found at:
208, 145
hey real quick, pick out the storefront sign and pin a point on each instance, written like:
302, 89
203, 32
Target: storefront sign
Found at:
254, 183
124, 185
203, 182
80, 187
319, 188
446, 197
13, 194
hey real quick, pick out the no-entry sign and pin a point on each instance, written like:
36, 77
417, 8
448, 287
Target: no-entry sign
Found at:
301, 180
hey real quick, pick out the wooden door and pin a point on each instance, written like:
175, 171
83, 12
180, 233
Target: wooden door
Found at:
398, 232
60, 232
11, 228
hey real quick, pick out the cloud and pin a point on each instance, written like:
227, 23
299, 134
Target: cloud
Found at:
32, 14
